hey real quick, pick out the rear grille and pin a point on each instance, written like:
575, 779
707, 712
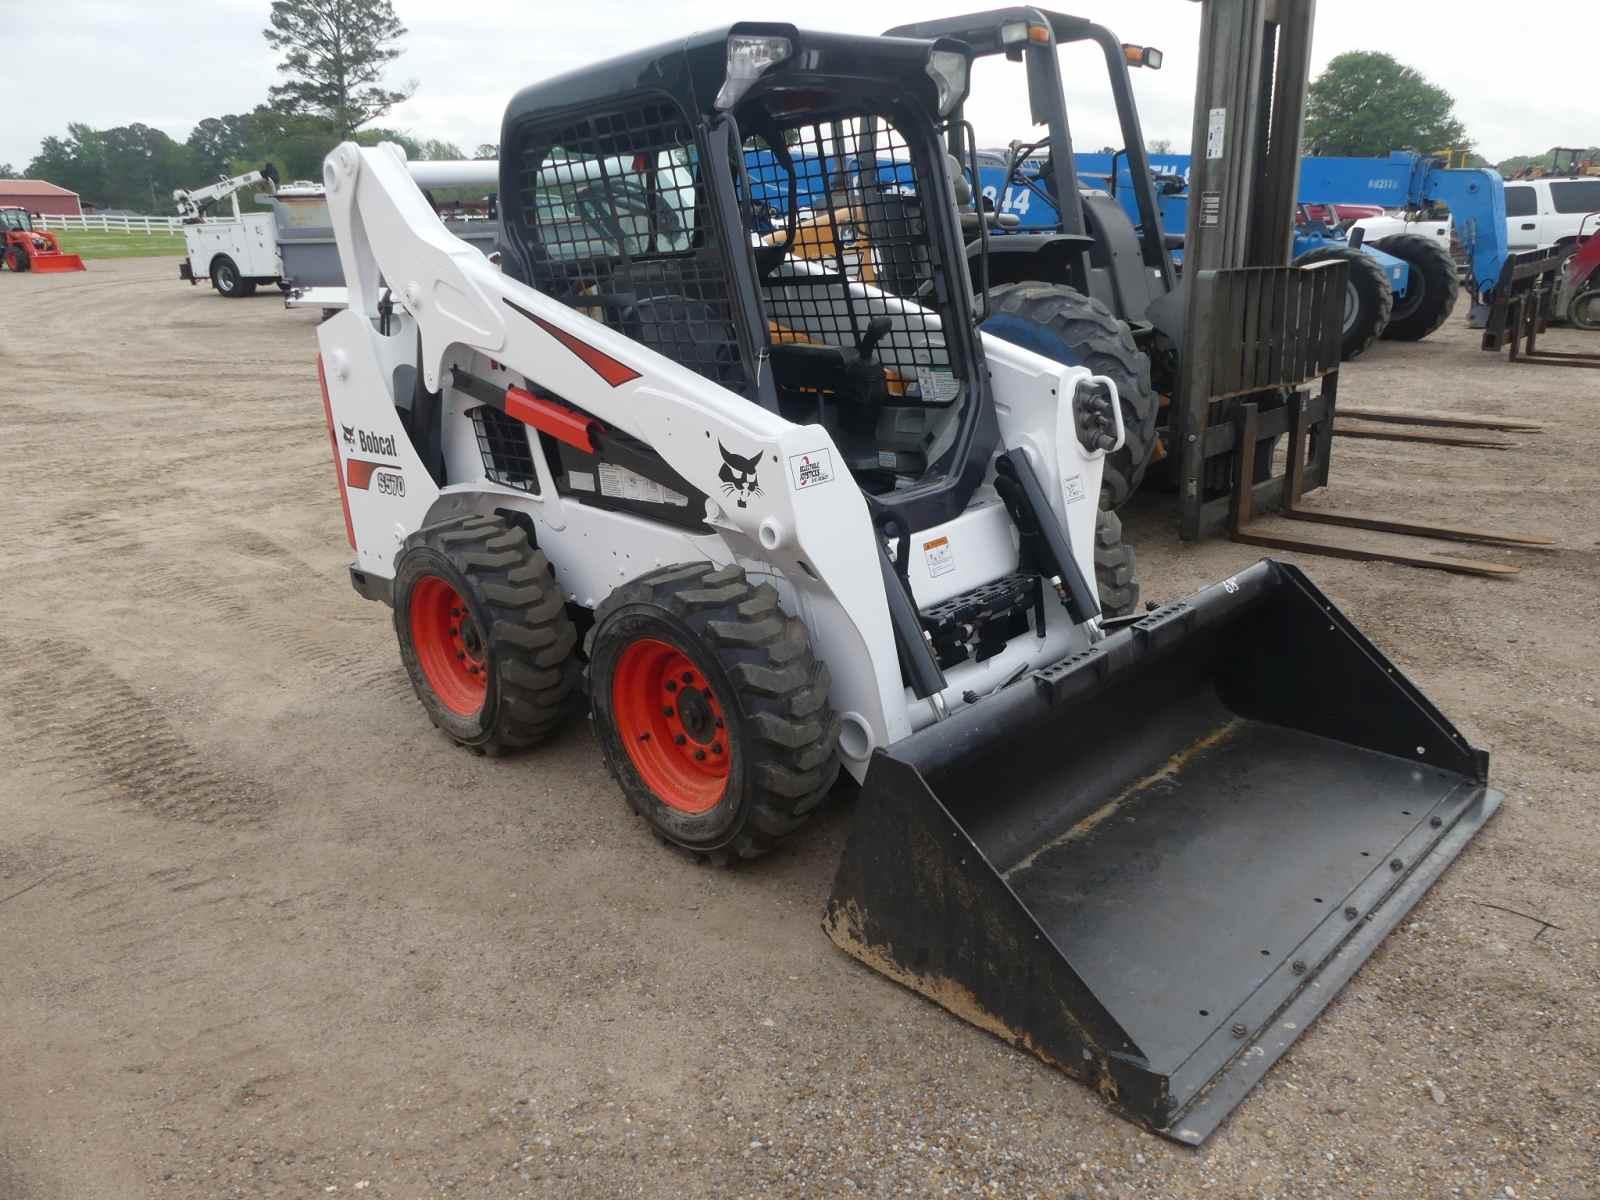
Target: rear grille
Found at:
503, 442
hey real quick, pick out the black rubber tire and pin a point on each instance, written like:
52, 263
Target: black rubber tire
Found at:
1116, 572
17, 259
783, 739
1370, 299
514, 601
226, 279
1583, 312
1435, 287
1054, 320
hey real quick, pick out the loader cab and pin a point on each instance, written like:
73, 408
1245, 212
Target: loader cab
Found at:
15, 220
750, 204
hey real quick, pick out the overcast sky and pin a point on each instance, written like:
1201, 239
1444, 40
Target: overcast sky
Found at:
169, 63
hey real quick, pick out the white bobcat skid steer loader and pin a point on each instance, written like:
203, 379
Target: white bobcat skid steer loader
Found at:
806, 521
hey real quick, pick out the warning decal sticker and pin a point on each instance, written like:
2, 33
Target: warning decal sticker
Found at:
941, 559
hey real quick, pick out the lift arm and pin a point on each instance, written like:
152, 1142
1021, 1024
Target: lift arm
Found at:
192, 205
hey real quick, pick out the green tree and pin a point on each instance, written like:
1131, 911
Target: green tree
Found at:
7, 171
487, 150
216, 143
439, 150
131, 166
334, 55
295, 143
1366, 104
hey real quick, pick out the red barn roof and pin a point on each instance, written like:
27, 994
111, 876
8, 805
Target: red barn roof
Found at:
32, 187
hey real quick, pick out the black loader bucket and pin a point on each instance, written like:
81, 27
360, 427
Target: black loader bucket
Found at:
1155, 863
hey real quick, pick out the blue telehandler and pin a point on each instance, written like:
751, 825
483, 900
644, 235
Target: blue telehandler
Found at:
1404, 282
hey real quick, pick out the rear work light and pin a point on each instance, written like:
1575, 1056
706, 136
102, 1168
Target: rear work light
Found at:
749, 56
1141, 56
948, 70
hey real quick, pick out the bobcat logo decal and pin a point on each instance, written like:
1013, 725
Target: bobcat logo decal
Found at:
349, 434
738, 475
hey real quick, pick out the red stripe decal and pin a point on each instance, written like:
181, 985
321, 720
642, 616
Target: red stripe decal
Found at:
359, 472
601, 363
333, 443
547, 416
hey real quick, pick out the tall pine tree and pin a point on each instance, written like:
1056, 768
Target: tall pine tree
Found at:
334, 55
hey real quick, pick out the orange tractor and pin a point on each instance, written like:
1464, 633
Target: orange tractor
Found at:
24, 248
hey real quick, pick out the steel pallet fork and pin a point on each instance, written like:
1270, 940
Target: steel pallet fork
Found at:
1524, 300
1282, 330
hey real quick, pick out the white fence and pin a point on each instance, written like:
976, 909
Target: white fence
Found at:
122, 224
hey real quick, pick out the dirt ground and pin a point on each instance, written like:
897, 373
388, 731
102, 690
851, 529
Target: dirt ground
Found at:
265, 933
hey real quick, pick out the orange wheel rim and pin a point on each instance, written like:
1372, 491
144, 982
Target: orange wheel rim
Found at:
671, 721
449, 645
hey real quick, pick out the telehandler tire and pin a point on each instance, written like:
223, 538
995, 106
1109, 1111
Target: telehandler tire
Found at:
1116, 574
1059, 323
1435, 286
484, 634
711, 710
1368, 298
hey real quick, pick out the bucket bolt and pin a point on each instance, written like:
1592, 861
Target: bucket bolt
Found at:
1298, 966
1350, 913
1396, 864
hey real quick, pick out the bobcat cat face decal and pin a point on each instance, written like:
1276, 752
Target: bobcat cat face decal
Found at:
738, 475
349, 434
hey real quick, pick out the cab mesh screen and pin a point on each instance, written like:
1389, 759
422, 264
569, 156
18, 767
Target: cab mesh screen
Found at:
619, 227
845, 198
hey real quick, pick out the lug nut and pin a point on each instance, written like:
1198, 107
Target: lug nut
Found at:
666, 710
688, 677
680, 740
672, 685
699, 756
719, 722
716, 747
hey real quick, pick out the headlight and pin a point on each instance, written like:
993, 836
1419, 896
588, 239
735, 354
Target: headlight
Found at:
948, 70
749, 56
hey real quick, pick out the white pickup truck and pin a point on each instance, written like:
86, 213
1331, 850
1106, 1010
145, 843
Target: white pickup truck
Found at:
1549, 211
